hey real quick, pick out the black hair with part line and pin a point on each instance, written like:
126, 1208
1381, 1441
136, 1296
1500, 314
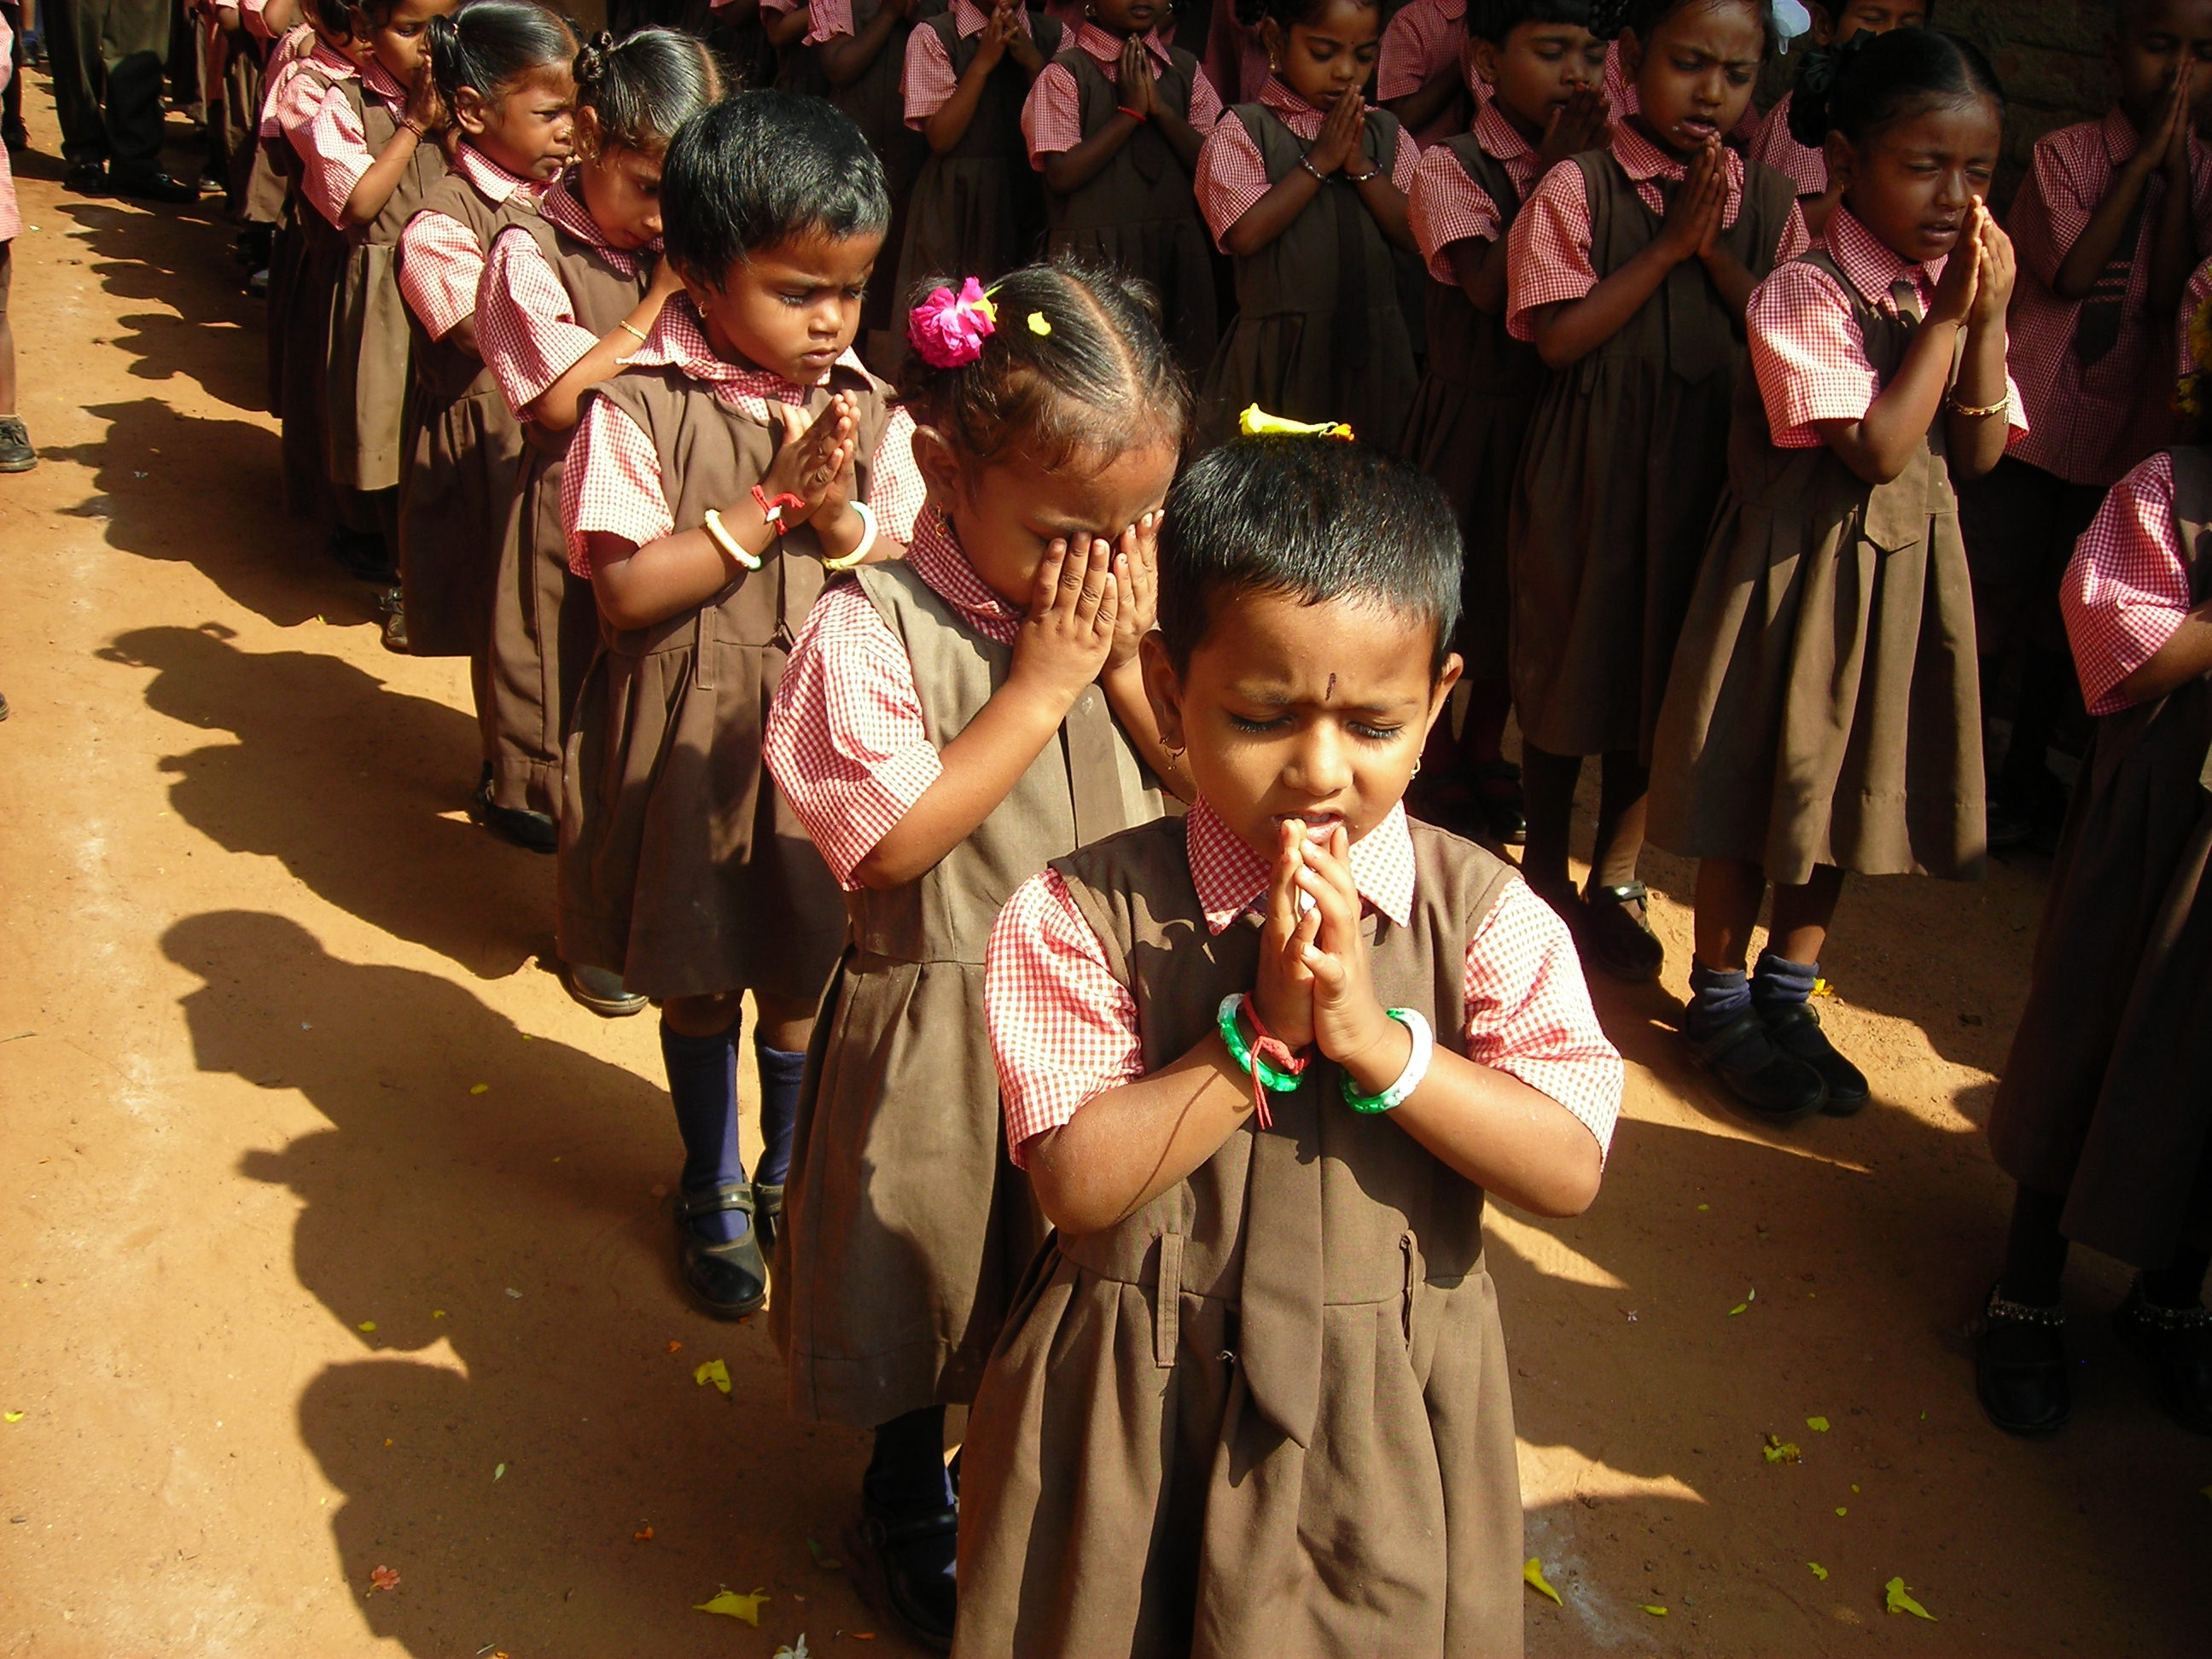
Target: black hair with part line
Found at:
762, 168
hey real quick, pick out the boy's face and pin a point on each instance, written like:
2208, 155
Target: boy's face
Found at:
1693, 77
792, 309
1315, 711
1832, 24
2153, 38
402, 40
1538, 69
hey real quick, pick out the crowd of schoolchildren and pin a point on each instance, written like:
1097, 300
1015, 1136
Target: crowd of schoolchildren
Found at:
1014, 538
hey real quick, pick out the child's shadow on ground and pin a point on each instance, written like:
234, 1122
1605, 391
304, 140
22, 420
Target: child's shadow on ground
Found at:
507, 1250
357, 788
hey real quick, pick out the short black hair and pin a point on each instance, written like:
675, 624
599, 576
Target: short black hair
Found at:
1493, 20
1252, 12
761, 169
1872, 80
1610, 18
1312, 518
643, 87
490, 45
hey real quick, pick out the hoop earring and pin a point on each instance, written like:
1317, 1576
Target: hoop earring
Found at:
1416, 772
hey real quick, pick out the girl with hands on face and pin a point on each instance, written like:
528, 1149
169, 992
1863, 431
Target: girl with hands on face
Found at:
1305, 189
1263, 1063
946, 725
1824, 712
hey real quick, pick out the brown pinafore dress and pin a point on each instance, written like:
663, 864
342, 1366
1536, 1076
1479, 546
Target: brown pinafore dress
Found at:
906, 1228
1624, 463
1269, 1413
977, 210
306, 258
1467, 423
877, 108
365, 387
544, 622
1825, 706
1319, 334
1138, 212
682, 866
463, 455
2107, 1097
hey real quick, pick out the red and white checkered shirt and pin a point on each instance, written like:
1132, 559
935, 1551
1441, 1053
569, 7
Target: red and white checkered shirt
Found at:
2091, 426
1806, 347
1064, 1029
287, 106
1773, 147
1232, 176
2192, 302
1548, 249
826, 20
612, 484
1620, 91
928, 81
333, 148
440, 262
1052, 119
527, 325
2125, 590
1445, 206
846, 739
1426, 37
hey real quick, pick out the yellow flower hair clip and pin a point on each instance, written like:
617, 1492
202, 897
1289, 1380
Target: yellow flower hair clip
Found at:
1039, 325
1256, 421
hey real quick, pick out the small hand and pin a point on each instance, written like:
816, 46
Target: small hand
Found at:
668, 282
1341, 133
2176, 158
812, 454
996, 35
1137, 582
1993, 288
1133, 84
1064, 637
1694, 213
425, 109
1282, 989
2168, 123
1576, 126
1957, 287
1347, 1016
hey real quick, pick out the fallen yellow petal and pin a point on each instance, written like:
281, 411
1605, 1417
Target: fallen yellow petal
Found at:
478, 1088
366, 1325
1533, 1571
1842, 1511
437, 1313
1819, 1571
11, 1417
1781, 1451
714, 1372
1894, 1598
1738, 1309
1817, 1424
734, 1606
1656, 1613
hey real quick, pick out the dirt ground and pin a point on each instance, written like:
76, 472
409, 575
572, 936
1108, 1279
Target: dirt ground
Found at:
329, 1239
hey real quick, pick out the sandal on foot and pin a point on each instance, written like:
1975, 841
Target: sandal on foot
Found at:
906, 1570
1796, 1030
1617, 940
1777, 1087
2019, 1366
768, 1215
727, 1280
2176, 1344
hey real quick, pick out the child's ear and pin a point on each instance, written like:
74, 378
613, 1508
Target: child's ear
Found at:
1271, 36
1162, 690
938, 464
587, 133
469, 112
1842, 161
1632, 56
1440, 693
1483, 54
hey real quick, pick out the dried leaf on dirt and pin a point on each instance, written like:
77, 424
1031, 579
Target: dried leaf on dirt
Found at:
1817, 1424
1533, 1571
1894, 1598
499, 1473
674, 1346
734, 1606
1656, 1613
479, 1088
1738, 1309
11, 1417
1819, 1571
384, 1579
642, 1535
366, 1325
1779, 1451
714, 1372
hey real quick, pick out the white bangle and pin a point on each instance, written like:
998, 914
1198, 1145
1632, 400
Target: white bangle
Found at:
728, 545
1417, 1067
847, 560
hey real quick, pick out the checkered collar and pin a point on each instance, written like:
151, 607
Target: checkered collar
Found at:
678, 340
1452, 8
969, 19
1231, 879
1105, 50
1499, 138
2122, 140
563, 205
1641, 159
1871, 265
375, 78
938, 559
492, 181
333, 64
1291, 106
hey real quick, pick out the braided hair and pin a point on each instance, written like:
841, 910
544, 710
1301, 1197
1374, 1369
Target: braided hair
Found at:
643, 87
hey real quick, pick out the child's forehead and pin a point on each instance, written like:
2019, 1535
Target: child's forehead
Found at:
819, 255
2190, 19
1353, 648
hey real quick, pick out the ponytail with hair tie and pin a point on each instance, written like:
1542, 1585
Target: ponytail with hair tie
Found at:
591, 59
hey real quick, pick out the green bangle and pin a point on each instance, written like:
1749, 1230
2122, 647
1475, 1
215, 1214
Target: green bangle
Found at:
1277, 1080
1417, 1067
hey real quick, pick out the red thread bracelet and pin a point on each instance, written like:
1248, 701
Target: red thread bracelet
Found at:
1131, 114
772, 510
1276, 1052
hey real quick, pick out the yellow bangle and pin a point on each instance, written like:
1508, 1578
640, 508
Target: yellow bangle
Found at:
636, 334
731, 549
845, 562
1982, 412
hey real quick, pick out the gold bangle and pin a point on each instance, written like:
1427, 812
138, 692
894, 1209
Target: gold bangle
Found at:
636, 334
1973, 412
731, 549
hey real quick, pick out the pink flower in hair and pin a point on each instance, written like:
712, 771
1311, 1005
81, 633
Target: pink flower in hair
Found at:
947, 330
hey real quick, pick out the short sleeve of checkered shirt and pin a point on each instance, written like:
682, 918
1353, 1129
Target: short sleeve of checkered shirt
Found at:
1446, 206
333, 155
1231, 176
1420, 41
526, 324
2067, 177
1548, 258
896, 490
1052, 119
440, 266
1064, 1029
845, 739
2126, 590
1807, 353
826, 20
928, 80
611, 484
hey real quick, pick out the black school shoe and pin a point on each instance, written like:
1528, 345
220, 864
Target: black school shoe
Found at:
1613, 939
2020, 1367
728, 1281
16, 454
905, 1573
532, 831
603, 993
1774, 1086
2176, 1344
153, 185
1794, 1028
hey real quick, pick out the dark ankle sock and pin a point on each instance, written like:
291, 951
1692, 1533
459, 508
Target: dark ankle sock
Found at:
2180, 1283
1716, 996
780, 1073
906, 1471
1778, 983
702, 1085
1547, 794
2035, 1251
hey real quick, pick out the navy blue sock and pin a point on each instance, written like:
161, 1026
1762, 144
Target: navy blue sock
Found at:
1778, 983
906, 1471
1716, 996
702, 1085
779, 1072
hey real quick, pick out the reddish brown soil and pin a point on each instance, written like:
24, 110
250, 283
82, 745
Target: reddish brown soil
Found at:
256, 966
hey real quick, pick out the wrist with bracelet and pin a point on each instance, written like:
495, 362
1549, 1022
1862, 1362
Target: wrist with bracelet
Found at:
1139, 117
1274, 1068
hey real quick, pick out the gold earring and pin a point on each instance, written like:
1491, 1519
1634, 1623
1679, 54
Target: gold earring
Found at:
1417, 769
